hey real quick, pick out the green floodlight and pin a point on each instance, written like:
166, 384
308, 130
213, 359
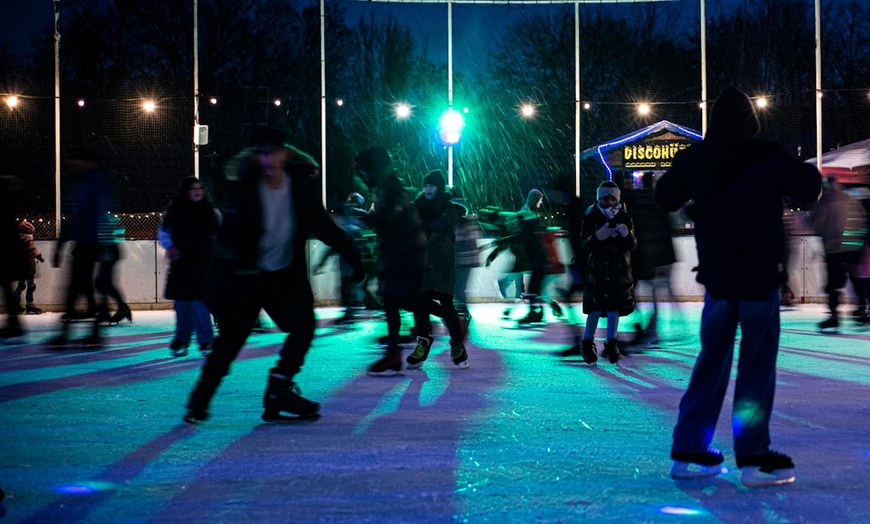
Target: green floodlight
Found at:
451, 124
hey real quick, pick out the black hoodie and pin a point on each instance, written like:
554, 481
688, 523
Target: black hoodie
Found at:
737, 183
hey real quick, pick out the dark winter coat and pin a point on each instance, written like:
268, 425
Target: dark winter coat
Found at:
238, 237
655, 244
401, 242
606, 264
439, 218
737, 183
192, 229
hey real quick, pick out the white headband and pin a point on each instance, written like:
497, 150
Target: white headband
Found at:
612, 191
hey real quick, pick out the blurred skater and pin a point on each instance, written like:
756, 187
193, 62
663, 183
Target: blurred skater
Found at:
187, 234
401, 256
14, 261
27, 286
259, 262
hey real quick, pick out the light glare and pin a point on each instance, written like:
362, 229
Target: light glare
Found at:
149, 106
643, 108
12, 101
527, 110
403, 111
761, 101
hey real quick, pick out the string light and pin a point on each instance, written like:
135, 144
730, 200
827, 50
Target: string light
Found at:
587, 106
12, 101
212, 101
643, 108
277, 102
339, 102
81, 102
761, 102
527, 110
149, 106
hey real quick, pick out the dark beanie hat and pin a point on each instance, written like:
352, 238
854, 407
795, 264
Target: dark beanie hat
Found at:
372, 158
270, 136
436, 178
733, 112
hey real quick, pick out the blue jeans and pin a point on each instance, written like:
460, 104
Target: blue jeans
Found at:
190, 315
756, 375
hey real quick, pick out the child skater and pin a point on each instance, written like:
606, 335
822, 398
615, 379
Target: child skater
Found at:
607, 237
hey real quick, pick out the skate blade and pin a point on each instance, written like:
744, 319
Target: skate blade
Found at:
387, 373
753, 477
462, 365
276, 416
689, 471
415, 367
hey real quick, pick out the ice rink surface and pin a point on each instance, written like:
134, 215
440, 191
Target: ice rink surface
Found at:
95, 436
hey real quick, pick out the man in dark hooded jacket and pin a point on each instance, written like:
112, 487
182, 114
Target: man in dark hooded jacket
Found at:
737, 183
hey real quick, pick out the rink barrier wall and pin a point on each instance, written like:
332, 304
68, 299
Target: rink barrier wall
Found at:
142, 271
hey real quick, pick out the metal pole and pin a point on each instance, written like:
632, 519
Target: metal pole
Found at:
818, 86
577, 99
57, 214
703, 69
323, 101
450, 86
195, 88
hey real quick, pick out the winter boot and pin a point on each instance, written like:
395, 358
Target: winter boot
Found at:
611, 351
696, 465
768, 469
389, 365
458, 354
284, 395
535, 315
589, 351
421, 352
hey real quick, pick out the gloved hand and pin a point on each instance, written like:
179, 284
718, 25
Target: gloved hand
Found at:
39, 258
603, 232
622, 229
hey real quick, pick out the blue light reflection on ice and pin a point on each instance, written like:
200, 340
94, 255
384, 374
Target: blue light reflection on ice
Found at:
678, 510
84, 488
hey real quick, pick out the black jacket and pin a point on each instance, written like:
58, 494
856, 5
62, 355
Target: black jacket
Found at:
238, 238
606, 264
737, 183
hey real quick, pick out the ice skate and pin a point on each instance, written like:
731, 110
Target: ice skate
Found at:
197, 404
830, 326
11, 335
122, 313
458, 354
689, 466
205, 349
535, 315
178, 348
611, 351
421, 352
32, 310
389, 365
588, 351
557, 309
769, 469
284, 396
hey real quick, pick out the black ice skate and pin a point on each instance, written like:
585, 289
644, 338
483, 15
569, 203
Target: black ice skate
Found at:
458, 354
388, 366
831, 325
178, 348
689, 466
421, 352
611, 351
535, 315
32, 310
589, 351
769, 469
197, 404
284, 396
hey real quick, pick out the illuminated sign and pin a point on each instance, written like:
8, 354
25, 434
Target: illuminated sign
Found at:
652, 154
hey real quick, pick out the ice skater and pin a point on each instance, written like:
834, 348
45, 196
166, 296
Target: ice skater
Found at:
606, 240
737, 183
259, 263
